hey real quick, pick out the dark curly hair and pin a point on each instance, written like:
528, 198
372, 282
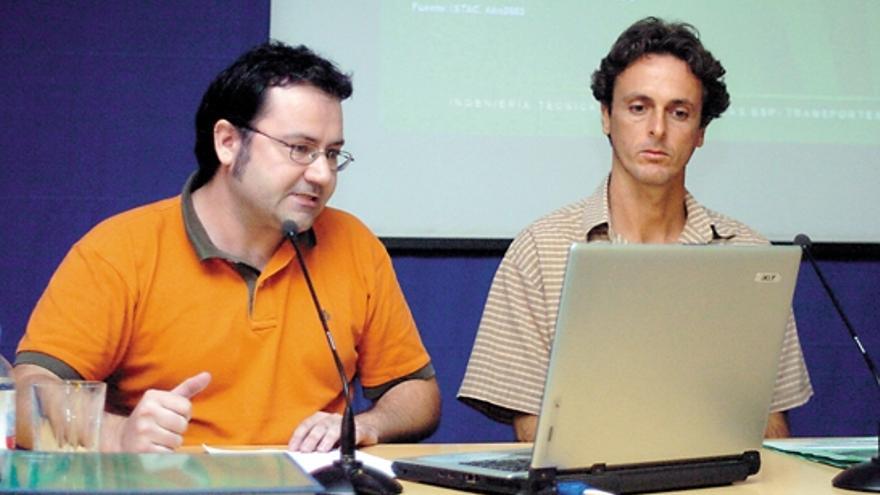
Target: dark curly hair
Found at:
238, 93
681, 40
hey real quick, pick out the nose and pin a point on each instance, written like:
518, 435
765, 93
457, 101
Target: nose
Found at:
320, 171
657, 124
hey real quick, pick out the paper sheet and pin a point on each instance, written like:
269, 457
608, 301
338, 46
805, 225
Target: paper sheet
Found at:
312, 460
836, 451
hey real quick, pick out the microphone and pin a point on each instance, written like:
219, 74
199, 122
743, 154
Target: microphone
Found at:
863, 477
346, 474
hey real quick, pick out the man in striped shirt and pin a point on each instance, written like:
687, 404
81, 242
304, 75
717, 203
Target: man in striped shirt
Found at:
659, 88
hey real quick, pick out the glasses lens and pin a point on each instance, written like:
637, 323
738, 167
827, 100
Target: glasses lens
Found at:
302, 154
343, 160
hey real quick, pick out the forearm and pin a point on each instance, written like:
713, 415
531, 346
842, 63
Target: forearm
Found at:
777, 426
525, 426
409, 411
28, 374
25, 376
111, 432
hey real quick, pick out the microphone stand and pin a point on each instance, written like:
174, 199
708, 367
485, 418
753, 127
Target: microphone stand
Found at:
863, 477
346, 474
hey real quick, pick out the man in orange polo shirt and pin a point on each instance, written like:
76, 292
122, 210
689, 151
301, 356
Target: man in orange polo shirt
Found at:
194, 310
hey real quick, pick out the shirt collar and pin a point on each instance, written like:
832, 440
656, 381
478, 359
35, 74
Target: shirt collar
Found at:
699, 227
597, 218
205, 249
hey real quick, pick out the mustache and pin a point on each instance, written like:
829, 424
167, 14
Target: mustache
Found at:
307, 190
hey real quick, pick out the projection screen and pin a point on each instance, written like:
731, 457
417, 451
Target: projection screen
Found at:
470, 120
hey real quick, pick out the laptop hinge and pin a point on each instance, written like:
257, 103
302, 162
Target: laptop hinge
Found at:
634, 478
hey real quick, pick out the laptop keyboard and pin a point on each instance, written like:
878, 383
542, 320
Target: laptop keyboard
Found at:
509, 464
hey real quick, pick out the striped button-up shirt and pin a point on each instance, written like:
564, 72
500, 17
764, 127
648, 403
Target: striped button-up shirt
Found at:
508, 364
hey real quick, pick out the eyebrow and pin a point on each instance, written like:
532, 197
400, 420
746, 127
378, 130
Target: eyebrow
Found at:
298, 135
641, 96
683, 101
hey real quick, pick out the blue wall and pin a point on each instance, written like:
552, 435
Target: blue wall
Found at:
97, 105
847, 401
97, 101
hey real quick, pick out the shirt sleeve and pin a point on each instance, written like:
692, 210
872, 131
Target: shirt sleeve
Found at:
507, 367
391, 348
80, 319
793, 386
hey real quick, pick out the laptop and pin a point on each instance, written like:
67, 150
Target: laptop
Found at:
660, 377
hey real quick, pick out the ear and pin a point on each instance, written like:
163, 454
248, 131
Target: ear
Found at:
227, 142
606, 120
701, 135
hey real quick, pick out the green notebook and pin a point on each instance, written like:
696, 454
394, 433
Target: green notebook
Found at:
97, 473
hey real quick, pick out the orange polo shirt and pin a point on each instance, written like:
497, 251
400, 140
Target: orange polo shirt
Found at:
133, 304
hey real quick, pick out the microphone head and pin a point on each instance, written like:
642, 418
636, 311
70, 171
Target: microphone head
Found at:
289, 228
803, 241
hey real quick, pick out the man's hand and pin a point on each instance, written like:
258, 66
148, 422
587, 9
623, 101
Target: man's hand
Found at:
161, 417
408, 411
320, 432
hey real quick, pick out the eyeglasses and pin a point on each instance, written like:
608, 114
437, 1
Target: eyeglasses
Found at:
306, 154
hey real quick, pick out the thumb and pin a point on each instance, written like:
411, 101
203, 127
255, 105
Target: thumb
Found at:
192, 385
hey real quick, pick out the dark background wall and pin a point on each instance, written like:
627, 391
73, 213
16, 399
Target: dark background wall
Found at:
97, 101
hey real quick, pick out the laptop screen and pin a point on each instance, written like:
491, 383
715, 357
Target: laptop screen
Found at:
664, 352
